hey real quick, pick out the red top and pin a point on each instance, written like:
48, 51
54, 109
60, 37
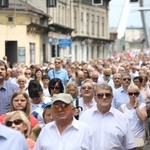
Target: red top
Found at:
33, 120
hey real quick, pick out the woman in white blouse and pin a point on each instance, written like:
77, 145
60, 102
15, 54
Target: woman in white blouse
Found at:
136, 113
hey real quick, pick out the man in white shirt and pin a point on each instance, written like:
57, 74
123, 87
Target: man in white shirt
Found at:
65, 133
111, 128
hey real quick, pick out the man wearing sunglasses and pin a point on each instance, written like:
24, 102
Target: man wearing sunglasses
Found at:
110, 127
59, 72
65, 132
11, 139
120, 95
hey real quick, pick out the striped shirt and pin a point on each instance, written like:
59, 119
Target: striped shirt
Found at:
6, 92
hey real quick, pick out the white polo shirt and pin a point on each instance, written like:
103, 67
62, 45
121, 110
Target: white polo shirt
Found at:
77, 136
111, 131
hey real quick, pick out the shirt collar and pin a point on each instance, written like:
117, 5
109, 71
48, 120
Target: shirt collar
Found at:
4, 86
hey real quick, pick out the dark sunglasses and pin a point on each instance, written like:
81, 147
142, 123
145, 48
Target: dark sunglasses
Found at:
56, 88
27, 73
16, 122
107, 75
21, 81
101, 95
126, 79
133, 93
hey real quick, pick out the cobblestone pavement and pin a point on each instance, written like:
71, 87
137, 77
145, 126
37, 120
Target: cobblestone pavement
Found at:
147, 147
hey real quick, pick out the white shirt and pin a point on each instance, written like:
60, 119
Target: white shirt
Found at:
137, 126
46, 92
84, 106
37, 110
77, 136
111, 131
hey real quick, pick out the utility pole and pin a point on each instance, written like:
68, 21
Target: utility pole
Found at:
144, 25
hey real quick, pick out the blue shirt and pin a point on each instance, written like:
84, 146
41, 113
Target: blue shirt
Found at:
121, 97
62, 74
6, 92
11, 139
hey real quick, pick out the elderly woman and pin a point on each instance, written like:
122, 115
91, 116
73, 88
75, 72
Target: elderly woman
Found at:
22, 81
135, 111
18, 120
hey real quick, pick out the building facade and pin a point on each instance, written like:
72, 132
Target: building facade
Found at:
32, 33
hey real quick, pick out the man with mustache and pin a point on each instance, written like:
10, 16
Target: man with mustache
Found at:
6, 89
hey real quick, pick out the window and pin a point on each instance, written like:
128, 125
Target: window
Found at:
93, 24
87, 23
75, 20
55, 51
10, 18
103, 26
82, 23
97, 25
32, 53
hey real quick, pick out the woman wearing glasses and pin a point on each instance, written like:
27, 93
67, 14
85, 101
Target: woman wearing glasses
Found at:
55, 86
18, 120
20, 101
136, 113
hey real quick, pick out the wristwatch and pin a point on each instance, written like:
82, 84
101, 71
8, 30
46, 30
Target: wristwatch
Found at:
135, 107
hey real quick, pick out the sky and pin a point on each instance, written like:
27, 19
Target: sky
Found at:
116, 9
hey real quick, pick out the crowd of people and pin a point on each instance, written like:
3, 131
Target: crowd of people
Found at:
101, 104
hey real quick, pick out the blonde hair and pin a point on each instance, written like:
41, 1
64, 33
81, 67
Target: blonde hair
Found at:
133, 87
68, 89
23, 117
21, 77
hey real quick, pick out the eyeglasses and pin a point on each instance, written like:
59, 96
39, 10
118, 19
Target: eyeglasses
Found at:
87, 87
27, 73
63, 106
57, 62
16, 122
107, 75
126, 79
55, 88
133, 93
21, 81
117, 78
101, 95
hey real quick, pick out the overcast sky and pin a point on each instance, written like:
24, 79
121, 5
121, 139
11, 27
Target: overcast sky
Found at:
115, 10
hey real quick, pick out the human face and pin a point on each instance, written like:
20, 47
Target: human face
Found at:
72, 91
106, 76
137, 82
45, 82
27, 74
2, 73
48, 116
117, 79
20, 127
38, 74
62, 112
55, 89
19, 72
103, 99
87, 90
133, 94
19, 102
126, 80
21, 82
57, 63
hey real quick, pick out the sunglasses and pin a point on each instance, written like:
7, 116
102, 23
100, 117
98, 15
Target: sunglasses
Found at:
63, 106
87, 88
57, 62
107, 75
126, 79
101, 95
21, 81
133, 93
16, 122
55, 88
27, 73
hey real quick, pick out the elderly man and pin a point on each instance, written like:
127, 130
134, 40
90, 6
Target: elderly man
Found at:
65, 133
110, 126
7, 89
